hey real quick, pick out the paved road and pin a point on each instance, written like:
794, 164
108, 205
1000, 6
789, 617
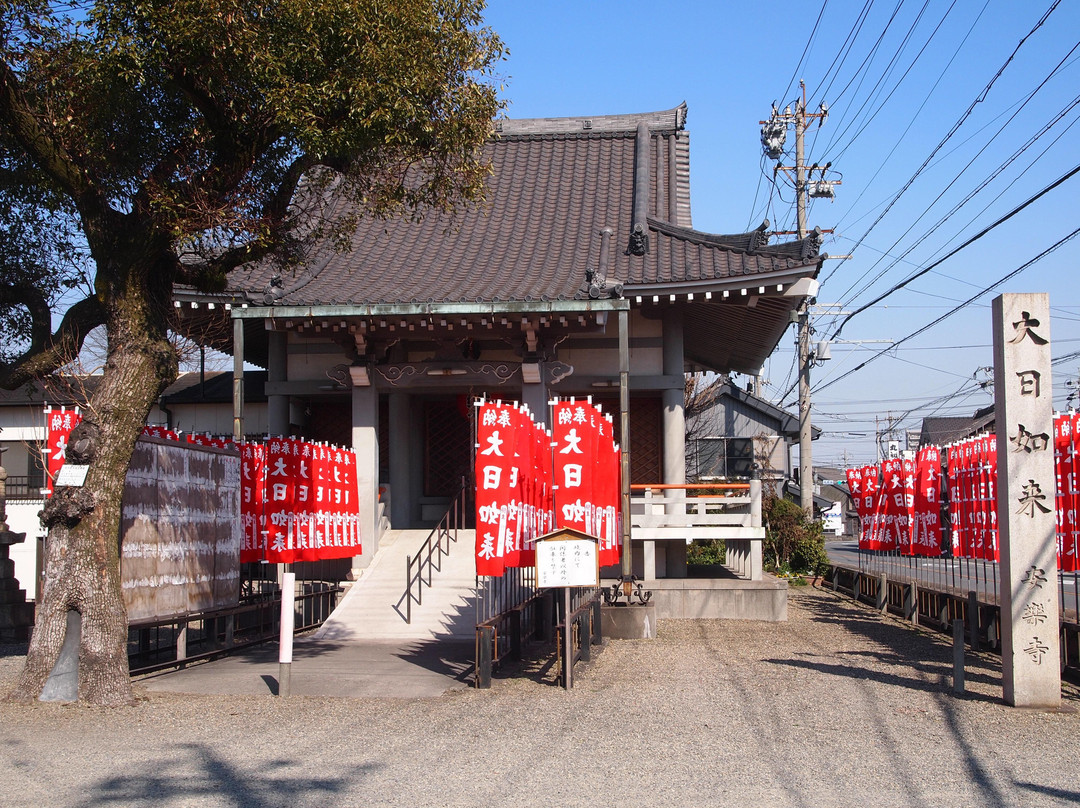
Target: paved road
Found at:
959, 574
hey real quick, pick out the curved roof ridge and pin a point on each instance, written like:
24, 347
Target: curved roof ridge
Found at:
669, 119
752, 242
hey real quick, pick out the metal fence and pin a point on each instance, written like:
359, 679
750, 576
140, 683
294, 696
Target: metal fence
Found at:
177, 641
935, 591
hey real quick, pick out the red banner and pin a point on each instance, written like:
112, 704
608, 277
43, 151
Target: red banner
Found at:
871, 518
1066, 500
926, 534
58, 426
529, 482
252, 513
1069, 557
894, 512
158, 431
587, 473
497, 483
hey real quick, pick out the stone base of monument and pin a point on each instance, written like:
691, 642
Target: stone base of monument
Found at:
623, 622
16, 615
725, 598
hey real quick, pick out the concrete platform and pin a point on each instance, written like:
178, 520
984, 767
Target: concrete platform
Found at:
371, 669
365, 649
725, 598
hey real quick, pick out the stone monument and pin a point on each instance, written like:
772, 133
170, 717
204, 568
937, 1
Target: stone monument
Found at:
1030, 649
16, 615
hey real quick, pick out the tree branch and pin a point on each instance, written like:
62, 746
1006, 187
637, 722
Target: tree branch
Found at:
47, 352
48, 154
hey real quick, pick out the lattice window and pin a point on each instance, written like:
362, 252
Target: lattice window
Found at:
330, 422
646, 431
446, 448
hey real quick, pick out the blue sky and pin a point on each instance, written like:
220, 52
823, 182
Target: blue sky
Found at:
906, 83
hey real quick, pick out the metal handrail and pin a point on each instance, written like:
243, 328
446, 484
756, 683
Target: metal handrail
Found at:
432, 548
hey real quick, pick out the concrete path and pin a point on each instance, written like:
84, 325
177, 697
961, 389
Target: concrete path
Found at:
365, 648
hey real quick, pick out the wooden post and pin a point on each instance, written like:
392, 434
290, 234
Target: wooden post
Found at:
485, 639
598, 623
568, 641
973, 620
958, 657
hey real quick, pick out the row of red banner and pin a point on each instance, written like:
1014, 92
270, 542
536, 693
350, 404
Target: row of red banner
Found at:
899, 501
298, 500
971, 475
1067, 500
899, 505
530, 481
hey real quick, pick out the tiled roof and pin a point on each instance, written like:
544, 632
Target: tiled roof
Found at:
943, 430
559, 186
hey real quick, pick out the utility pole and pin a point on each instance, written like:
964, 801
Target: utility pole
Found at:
773, 134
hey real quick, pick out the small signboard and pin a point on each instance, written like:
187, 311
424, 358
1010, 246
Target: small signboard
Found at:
834, 519
567, 558
71, 475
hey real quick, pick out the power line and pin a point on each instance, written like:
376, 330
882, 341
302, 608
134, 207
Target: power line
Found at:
1023, 205
960, 122
990, 288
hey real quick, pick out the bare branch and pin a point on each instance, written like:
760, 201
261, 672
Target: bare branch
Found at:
47, 352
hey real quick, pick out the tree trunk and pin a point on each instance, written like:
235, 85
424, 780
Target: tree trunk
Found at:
82, 551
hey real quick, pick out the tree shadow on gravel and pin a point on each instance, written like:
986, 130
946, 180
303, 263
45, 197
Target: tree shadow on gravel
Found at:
195, 772
903, 645
929, 657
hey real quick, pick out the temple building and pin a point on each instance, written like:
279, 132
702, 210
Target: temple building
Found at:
583, 256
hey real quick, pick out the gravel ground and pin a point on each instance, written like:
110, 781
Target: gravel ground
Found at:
838, 706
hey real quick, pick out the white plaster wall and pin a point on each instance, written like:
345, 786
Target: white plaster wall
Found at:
22, 517
215, 419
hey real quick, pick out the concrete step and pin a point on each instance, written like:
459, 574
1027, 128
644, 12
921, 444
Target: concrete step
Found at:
375, 607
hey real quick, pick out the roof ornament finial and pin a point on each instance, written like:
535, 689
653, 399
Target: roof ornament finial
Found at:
639, 241
759, 238
596, 279
811, 245
274, 290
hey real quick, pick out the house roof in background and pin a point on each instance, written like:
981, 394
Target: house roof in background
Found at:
944, 430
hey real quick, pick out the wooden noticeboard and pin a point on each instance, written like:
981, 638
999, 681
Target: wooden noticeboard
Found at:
567, 558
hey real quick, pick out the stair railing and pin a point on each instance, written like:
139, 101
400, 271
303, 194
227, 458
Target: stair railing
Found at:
428, 558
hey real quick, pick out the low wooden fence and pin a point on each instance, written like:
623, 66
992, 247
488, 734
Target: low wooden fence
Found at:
155, 645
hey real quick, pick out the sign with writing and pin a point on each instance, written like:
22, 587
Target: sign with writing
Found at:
180, 530
1030, 651
71, 475
567, 558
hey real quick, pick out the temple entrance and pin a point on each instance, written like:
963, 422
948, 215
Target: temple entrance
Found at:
447, 453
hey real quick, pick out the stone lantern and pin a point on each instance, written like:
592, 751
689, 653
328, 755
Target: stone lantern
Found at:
16, 615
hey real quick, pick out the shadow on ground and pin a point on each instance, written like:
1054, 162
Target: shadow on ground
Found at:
273, 782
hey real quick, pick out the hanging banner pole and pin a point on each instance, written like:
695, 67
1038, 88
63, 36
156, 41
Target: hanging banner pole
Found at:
624, 441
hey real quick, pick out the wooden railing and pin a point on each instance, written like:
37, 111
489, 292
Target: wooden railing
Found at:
731, 512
